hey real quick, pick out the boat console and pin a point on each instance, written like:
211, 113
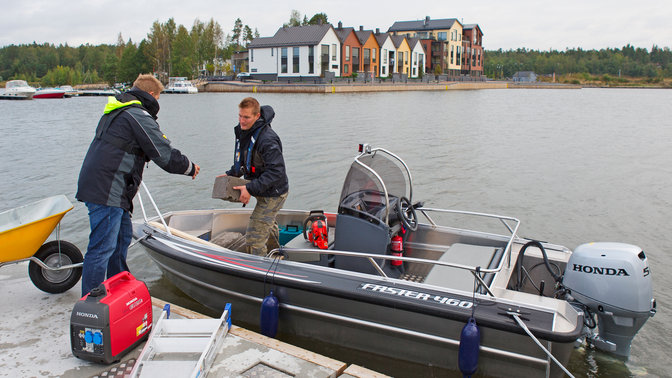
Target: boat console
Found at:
370, 211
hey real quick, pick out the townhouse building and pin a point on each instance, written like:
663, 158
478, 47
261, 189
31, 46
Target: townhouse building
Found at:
472, 45
445, 37
388, 53
370, 52
295, 52
411, 48
350, 48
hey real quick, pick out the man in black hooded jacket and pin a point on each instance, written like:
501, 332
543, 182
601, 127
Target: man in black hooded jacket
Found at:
127, 137
258, 157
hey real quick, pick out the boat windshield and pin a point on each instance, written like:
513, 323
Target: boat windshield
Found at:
16, 84
371, 175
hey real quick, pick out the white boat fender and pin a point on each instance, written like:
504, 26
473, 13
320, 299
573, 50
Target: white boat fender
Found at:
268, 318
470, 344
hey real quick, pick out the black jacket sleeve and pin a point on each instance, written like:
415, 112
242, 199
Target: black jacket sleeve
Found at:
157, 146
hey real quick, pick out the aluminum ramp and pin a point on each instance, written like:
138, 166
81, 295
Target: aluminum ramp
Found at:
182, 347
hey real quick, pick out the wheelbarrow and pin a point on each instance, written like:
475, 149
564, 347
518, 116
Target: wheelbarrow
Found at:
55, 266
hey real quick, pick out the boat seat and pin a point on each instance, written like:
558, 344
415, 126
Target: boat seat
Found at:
486, 257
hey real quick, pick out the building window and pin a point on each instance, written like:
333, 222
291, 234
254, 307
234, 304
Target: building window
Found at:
452, 54
375, 53
272, 52
295, 60
333, 52
283, 60
311, 59
406, 54
347, 53
384, 56
345, 68
442, 36
355, 59
251, 55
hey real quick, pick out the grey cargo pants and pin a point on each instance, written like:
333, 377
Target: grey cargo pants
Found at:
262, 233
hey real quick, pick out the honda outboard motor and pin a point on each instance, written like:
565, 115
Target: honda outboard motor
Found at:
613, 281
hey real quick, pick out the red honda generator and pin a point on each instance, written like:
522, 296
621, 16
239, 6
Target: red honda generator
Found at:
111, 320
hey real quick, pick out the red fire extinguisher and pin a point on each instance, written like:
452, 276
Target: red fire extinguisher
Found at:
397, 247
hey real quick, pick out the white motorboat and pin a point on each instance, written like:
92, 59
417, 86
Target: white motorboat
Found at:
180, 85
49, 93
17, 90
388, 284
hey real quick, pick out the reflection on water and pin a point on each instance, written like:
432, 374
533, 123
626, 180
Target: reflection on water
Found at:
573, 165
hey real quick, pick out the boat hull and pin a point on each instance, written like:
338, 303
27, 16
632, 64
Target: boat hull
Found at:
357, 311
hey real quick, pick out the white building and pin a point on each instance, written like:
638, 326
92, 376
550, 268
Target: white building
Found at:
388, 54
300, 51
418, 57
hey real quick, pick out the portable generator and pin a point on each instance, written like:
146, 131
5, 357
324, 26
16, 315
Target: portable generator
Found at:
111, 320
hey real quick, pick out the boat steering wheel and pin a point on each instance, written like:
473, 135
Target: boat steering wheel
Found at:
407, 214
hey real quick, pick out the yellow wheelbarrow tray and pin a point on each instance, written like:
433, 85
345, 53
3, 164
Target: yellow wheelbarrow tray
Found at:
54, 266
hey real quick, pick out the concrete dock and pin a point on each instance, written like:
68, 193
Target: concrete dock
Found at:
34, 339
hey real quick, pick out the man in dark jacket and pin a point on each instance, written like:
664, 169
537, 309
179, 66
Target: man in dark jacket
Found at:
258, 157
126, 138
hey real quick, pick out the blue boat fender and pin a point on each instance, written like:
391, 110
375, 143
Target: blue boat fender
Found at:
270, 311
470, 341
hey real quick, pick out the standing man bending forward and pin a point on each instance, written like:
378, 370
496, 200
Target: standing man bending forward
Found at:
258, 157
127, 137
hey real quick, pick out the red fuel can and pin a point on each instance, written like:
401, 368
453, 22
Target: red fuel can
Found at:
111, 320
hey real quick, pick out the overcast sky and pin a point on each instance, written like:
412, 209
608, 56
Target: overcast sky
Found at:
507, 24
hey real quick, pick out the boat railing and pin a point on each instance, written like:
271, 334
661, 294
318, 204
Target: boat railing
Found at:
475, 270
512, 228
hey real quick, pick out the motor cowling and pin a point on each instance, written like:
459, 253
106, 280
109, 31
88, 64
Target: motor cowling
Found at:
614, 281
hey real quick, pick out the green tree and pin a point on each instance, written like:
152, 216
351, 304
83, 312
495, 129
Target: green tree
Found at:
317, 18
294, 19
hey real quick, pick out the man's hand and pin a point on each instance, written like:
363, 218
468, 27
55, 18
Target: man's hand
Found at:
244, 194
196, 170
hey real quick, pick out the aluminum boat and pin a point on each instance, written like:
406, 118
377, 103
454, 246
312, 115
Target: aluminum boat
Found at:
532, 301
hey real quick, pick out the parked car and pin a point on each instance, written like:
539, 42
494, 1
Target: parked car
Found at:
243, 75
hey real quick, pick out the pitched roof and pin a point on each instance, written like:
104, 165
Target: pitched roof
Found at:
426, 24
397, 40
343, 33
363, 35
472, 26
381, 37
413, 41
306, 35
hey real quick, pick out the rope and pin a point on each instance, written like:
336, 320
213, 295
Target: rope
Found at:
524, 327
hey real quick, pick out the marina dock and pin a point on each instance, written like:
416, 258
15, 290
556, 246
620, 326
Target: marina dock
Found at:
34, 337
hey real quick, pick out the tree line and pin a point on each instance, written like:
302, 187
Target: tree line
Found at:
654, 65
168, 50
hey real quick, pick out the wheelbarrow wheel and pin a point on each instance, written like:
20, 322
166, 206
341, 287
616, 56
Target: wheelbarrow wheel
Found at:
56, 281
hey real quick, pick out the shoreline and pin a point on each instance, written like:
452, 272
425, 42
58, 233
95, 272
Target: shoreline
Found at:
259, 87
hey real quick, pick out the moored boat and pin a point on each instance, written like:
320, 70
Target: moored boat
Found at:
69, 91
17, 90
389, 283
49, 93
180, 85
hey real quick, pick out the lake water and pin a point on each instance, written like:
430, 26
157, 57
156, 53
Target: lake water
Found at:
573, 165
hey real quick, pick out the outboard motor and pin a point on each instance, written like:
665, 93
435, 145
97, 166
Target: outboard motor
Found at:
613, 281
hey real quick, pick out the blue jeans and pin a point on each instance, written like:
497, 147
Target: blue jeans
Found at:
111, 232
